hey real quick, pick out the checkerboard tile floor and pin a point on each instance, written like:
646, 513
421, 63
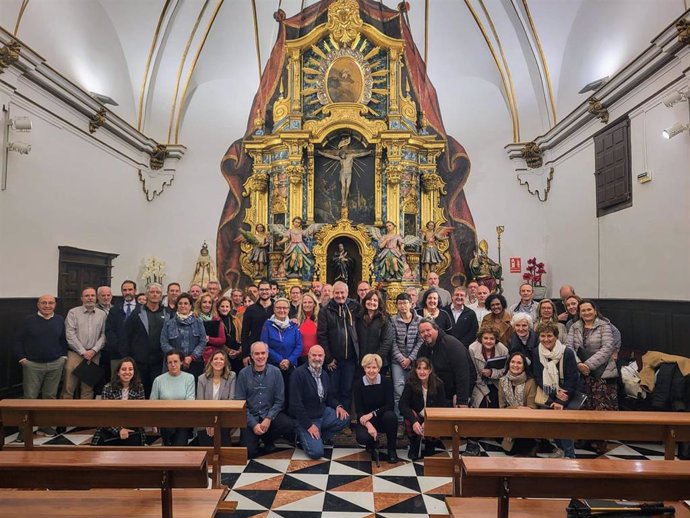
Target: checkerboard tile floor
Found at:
345, 483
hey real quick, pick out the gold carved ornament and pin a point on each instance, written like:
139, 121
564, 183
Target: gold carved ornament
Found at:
433, 182
344, 22
683, 28
343, 228
257, 182
532, 154
158, 156
97, 120
295, 174
597, 108
9, 54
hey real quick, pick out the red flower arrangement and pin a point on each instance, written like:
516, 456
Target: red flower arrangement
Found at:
534, 272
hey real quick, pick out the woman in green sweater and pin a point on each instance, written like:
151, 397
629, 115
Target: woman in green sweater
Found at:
174, 384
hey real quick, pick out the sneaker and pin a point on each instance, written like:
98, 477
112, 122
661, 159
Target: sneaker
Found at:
47, 431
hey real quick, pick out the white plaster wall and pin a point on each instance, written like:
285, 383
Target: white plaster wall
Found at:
65, 192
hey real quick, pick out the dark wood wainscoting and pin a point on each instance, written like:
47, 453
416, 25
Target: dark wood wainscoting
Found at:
658, 325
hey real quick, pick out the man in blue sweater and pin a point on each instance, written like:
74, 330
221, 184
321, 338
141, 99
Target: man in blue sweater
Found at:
41, 350
317, 413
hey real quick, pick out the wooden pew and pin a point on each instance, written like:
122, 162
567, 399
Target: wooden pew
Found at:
87, 469
484, 507
505, 477
27, 413
665, 427
107, 503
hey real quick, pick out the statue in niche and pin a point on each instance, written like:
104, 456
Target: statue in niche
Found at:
346, 157
258, 257
431, 256
483, 269
391, 261
205, 270
297, 258
343, 265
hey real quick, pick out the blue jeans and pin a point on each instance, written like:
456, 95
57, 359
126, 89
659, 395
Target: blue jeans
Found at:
400, 376
328, 425
342, 379
568, 447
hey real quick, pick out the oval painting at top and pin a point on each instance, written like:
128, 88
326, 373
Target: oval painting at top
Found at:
344, 80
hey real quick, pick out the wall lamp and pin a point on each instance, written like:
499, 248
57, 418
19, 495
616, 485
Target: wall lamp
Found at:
16, 124
594, 85
22, 124
103, 99
674, 98
674, 130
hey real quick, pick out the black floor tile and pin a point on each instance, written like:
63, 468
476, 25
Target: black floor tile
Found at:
332, 503
294, 484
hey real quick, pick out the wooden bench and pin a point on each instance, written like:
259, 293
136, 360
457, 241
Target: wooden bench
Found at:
87, 469
506, 477
27, 413
665, 427
483, 507
107, 503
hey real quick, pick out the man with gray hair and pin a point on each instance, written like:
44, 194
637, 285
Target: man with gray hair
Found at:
261, 385
444, 298
213, 289
337, 334
85, 332
143, 336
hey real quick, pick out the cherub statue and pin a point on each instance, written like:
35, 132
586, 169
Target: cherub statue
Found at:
391, 261
258, 257
297, 258
431, 256
205, 270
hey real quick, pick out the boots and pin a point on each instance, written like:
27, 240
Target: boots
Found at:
413, 452
393, 456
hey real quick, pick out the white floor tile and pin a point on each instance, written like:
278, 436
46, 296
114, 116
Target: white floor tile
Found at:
384, 486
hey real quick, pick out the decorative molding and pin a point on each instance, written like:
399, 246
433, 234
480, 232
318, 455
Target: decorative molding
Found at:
31, 83
158, 156
97, 120
538, 181
344, 22
597, 109
9, 54
666, 50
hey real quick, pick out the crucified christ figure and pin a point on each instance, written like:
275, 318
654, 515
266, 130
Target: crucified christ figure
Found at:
346, 159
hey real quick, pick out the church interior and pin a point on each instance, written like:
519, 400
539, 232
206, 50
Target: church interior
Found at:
300, 141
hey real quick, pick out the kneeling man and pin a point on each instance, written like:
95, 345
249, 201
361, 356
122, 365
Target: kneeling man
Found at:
318, 415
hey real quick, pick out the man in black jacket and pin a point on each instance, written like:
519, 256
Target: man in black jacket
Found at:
143, 337
451, 361
115, 337
337, 334
465, 324
254, 318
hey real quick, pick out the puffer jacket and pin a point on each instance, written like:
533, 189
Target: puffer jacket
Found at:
600, 346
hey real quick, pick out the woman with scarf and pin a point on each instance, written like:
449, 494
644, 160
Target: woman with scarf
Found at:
373, 399
517, 389
205, 311
429, 308
185, 333
555, 371
284, 341
487, 346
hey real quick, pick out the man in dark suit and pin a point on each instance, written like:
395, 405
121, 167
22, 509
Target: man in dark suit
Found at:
465, 324
115, 336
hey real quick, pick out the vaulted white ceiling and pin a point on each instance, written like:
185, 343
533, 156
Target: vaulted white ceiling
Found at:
512, 67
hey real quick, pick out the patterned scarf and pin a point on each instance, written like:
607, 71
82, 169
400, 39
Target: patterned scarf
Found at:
550, 359
513, 388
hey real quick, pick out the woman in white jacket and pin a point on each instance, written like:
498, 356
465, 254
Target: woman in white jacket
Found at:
487, 346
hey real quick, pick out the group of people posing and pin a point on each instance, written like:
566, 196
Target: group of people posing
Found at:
316, 364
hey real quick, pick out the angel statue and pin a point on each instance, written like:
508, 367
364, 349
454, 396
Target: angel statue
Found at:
430, 254
297, 258
258, 257
391, 260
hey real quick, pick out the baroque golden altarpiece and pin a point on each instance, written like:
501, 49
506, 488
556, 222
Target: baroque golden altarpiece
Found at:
349, 155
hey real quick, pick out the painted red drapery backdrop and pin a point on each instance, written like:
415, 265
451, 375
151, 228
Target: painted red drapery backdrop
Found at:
453, 164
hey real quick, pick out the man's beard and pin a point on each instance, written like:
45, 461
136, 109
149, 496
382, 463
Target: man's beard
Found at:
315, 364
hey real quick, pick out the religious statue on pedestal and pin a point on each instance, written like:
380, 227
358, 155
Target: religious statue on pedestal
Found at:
431, 256
483, 269
258, 257
343, 265
297, 258
391, 261
205, 270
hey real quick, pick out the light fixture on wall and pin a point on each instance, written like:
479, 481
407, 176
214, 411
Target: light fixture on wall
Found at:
16, 124
594, 85
103, 99
19, 147
674, 98
674, 130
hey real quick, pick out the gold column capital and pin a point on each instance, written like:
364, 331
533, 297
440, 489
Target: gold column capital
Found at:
432, 182
257, 182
